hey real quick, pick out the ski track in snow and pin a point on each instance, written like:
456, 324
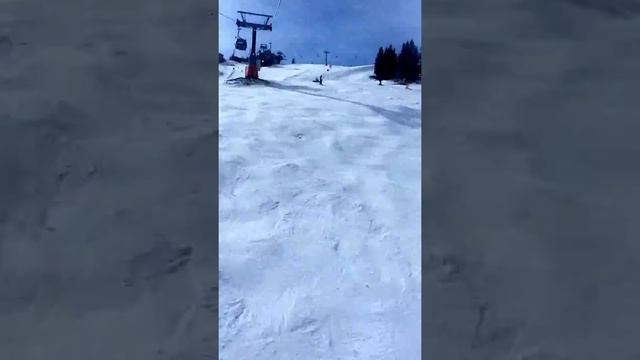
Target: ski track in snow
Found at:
319, 216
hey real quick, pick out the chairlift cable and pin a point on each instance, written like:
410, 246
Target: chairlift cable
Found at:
276, 12
228, 17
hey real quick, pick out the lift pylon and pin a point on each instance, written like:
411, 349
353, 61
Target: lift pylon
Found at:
252, 69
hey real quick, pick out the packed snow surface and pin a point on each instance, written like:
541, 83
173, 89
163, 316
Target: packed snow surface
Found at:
319, 216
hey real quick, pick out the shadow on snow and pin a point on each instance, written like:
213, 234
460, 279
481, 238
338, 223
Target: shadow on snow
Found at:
406, 116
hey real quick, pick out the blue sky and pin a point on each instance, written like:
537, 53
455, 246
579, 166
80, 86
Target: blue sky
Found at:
352, 30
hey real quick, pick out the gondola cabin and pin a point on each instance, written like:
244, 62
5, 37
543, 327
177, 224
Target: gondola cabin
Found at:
241, 44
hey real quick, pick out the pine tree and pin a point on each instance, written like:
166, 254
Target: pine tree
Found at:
408, 63
377, 67
394, 63
418, 62
404, 62
385, 64
414, 59
390, 63
379, 64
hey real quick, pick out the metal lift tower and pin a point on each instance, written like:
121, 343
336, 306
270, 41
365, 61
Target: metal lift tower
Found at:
252, 69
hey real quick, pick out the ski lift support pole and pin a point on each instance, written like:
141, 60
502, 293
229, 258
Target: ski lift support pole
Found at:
252, 69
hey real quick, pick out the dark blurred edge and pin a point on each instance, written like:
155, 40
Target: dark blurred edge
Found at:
60, 292
530, 179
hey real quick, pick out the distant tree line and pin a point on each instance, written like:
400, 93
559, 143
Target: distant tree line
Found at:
402, 67
266, 58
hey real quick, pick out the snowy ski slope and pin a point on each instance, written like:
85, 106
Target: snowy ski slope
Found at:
319, 216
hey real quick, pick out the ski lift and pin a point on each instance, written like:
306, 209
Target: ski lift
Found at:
241, 44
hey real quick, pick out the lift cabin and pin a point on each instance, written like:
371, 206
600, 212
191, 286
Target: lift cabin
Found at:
241, 44
264, 24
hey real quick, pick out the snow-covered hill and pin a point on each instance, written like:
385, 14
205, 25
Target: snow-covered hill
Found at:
319, 216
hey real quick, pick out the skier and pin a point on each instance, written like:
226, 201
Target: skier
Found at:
320, 79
